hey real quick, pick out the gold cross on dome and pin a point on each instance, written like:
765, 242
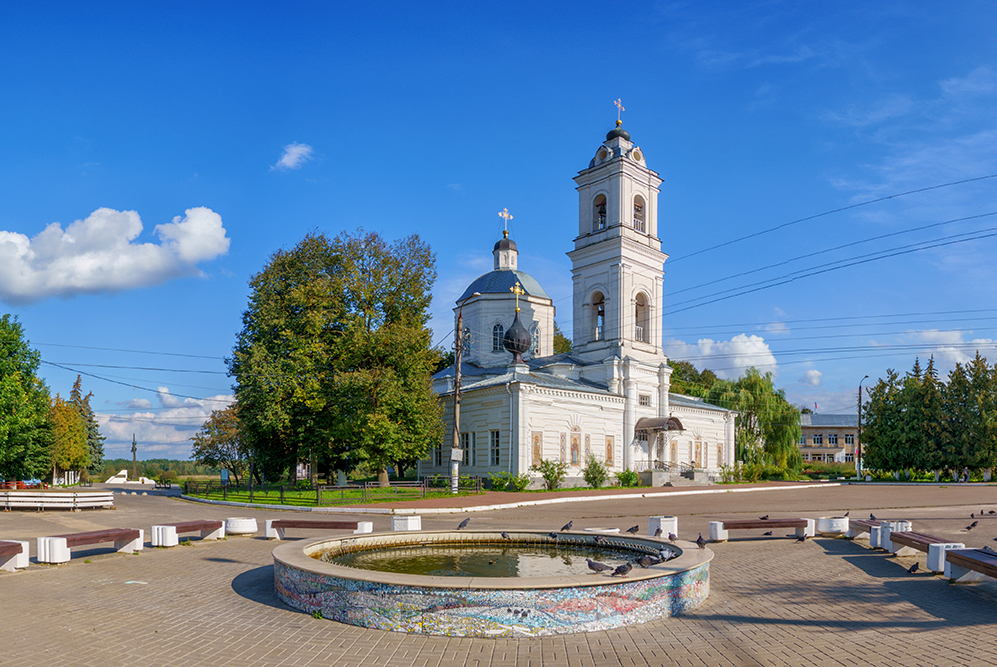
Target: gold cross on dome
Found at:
505, 215
619, 107
518, 291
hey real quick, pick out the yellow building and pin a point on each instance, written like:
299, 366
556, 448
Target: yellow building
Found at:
829, 437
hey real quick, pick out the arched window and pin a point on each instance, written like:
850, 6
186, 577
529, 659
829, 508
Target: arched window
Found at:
535, 337
639, 221
498, 332
598, 316
599, 213
640, 319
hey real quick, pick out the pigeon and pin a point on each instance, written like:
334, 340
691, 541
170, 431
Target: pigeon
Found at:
990, 551
846, 513
970, 527
623, 570
763, 518
505, 536
872, 517
802, 538
972, 516
666, 555
552, 535
991, 512
633, 531
525, 613
658, 531
596, 566
912, 569
767, 533
974, 524
463, 524
646, 561
567, 526
672, 537
701, 542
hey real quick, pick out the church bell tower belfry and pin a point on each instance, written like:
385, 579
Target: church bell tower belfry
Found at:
617, 260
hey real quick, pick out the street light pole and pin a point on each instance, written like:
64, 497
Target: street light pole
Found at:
858, 444
455, 453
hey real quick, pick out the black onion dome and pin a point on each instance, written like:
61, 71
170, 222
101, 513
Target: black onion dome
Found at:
517, 340
504, 244
618, 131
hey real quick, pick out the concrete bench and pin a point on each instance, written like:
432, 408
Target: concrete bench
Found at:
13, 555
16, 500
165, 535
858, 526
909, 542
55, 549
718, 529
275, 528
967, 565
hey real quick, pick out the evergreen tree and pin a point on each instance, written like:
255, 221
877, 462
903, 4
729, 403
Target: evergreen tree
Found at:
981, 450
25, 429
95, 441
881, 429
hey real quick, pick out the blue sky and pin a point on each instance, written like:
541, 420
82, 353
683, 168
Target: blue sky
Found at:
177, 149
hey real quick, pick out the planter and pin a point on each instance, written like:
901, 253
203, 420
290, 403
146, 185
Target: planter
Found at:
240, 525
832, 525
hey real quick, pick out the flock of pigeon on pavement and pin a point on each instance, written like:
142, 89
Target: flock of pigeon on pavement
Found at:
666, 554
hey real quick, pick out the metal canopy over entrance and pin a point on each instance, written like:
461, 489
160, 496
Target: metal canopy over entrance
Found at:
659, 424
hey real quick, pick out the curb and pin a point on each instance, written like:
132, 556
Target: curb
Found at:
503, 506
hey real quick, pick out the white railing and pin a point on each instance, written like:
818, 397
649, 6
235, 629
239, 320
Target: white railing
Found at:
639, 334
53, 500
639, 225
598, 333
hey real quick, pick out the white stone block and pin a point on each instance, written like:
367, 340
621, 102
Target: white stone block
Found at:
216, 534
874, 536
164, 536
808, 530
364, 527
240, 525
271, 532
53, 550
958, 574
717, 531
15, 561
128, 546
403, 522
936, 554
668, 524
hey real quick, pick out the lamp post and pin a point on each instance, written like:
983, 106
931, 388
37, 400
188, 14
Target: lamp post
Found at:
455, 453
858, 444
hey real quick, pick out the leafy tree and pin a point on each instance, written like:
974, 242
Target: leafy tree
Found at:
95, 441
333, 361
25, 429
219, 442
689, 381
69, 437
562, 344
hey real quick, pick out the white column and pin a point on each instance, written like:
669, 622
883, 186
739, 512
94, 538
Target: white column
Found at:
629, 419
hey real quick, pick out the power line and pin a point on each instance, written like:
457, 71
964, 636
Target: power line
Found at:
133, 386
113, 349
831, 212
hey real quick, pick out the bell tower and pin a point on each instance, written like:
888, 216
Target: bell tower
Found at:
617, 260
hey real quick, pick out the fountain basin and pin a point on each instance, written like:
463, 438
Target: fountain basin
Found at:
489, 606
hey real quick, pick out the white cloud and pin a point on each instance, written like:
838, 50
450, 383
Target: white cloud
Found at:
294, 156
99, 254
165, 432
812, 377
777, 328
949, 348
728, 359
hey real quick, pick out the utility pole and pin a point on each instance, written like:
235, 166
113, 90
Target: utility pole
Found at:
134, 462
858, 444
455, 452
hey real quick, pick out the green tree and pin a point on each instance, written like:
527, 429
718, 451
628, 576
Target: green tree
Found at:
69, 437
219, 442
333, 361
689, 381
95, 441
982, 448
882, 429
768, 426
25, 429
562, 344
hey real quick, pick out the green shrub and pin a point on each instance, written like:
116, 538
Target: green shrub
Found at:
595, 473
506, 481
627, 478
553, 472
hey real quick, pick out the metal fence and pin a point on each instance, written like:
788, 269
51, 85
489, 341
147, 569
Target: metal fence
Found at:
351, 494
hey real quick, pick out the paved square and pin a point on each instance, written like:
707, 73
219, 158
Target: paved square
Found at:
773, 601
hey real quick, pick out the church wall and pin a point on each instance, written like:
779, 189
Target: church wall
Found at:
486, 311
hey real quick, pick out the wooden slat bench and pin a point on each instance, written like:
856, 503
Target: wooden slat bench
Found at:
165, 535
13, 555
55, 549
718, 529
935, 547
967, 565
858, 526
275, 527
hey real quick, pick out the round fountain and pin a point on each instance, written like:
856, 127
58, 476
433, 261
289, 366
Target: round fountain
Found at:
481, 584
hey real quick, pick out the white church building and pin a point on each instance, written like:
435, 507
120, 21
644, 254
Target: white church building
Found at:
609, 397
